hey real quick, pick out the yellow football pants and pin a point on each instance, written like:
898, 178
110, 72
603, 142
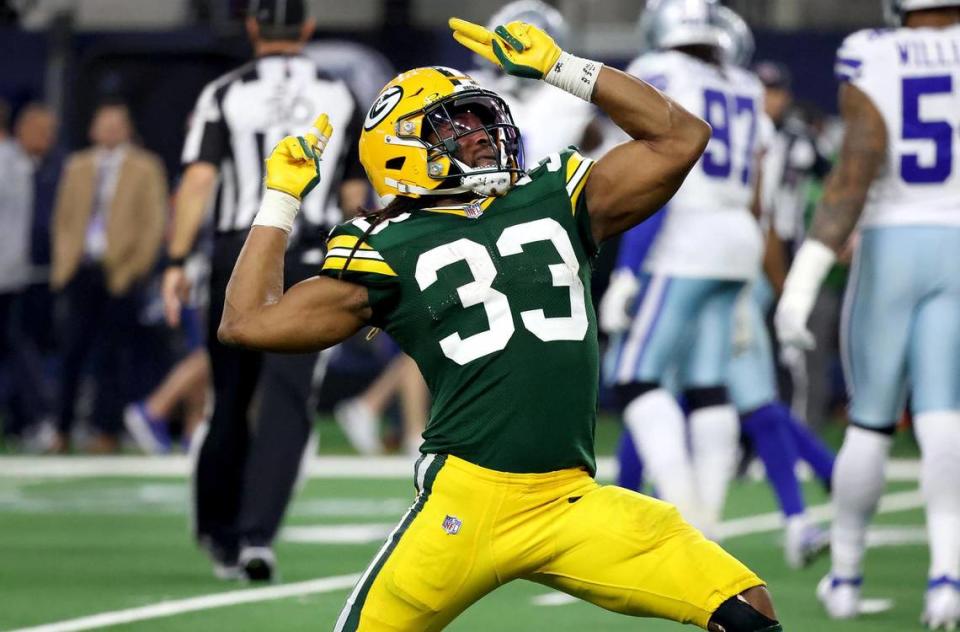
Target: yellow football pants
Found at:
472, 529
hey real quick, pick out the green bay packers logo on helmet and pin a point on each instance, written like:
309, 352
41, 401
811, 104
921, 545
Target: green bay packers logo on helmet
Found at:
382, 107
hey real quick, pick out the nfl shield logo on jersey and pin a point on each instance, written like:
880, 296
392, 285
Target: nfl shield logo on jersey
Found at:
451, 524
473, 210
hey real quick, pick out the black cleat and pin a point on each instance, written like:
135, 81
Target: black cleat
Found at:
258, 563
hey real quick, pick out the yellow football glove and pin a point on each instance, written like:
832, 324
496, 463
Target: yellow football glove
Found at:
519, 48
294, 164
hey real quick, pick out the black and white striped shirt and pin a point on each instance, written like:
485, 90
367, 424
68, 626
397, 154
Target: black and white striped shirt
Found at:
242, 115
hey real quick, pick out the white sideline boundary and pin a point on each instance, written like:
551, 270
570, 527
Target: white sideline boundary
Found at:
193, 604
325, 467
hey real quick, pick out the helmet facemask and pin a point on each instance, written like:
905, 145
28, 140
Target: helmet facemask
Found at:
444, 126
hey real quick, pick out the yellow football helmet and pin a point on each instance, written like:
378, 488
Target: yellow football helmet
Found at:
409, 141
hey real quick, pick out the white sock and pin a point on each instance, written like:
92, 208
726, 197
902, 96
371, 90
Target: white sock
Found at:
655, 422
858, 481
939, 437
714, 436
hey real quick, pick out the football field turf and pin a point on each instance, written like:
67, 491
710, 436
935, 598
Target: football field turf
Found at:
90, 544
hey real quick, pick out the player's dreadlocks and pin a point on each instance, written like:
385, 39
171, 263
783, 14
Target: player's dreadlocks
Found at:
398, 206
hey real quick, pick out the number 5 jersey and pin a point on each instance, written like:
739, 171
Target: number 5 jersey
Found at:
912, 76
492, 300
708, 229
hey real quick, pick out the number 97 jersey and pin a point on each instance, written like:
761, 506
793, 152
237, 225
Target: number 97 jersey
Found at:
709, 230
492, 300
912, 76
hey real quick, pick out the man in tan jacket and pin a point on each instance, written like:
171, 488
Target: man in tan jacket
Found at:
107, 230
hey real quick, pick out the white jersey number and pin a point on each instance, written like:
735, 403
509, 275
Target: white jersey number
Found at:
495, 303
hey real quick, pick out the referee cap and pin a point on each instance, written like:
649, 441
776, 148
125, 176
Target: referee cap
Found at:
278, 19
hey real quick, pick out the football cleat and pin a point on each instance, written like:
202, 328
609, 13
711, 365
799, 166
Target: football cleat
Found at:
804, 543
225, 564
360, 425
258, 563
150, 435
941, 610
840, 596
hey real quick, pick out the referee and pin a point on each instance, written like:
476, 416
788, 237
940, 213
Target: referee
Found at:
245, 472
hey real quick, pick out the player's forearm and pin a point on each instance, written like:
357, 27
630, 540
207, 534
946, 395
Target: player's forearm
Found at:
775, 261
840, 209
190, 206
255, 284
646, 114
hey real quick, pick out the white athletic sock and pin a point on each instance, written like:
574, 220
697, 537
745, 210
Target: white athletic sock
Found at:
714, 436
655, 422
858, 481
939, 436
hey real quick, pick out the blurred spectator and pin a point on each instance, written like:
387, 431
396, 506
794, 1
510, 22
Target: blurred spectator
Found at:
37, 133
359, 417
16, 198
183, 392
108, 227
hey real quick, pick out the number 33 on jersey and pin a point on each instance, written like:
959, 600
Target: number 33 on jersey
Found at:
477, 289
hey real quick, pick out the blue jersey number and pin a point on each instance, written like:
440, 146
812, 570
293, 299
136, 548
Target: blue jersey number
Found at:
938, 132
721, 110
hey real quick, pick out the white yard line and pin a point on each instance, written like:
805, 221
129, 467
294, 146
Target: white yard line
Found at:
335, 467
193, 604
380, 467
773, 521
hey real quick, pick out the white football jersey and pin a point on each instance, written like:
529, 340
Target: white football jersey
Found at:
913, 78
709, 230
550, 120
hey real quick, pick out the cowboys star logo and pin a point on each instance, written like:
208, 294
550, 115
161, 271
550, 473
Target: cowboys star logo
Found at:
384, 104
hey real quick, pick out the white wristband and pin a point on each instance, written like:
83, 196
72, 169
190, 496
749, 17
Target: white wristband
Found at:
574, 74
812, 263
277, 209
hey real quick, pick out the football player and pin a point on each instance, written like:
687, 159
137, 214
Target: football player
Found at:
481, 272
707, 246
750, 377
898, 175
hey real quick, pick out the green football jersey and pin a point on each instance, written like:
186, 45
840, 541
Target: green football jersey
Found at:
492, 301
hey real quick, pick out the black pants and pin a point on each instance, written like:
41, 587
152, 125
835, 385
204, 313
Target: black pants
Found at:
245, 472
28, 397
99, 327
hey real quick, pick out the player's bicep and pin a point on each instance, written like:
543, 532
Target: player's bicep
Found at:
314, 314
862, 154
630, 183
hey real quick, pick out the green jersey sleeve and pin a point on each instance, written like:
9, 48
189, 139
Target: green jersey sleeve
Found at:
351, 257
570, 169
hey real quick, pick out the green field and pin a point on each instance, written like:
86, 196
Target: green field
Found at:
72, 547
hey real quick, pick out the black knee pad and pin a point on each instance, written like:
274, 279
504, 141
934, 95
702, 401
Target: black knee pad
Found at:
736, 615
706, 396
626, 393
888, 431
